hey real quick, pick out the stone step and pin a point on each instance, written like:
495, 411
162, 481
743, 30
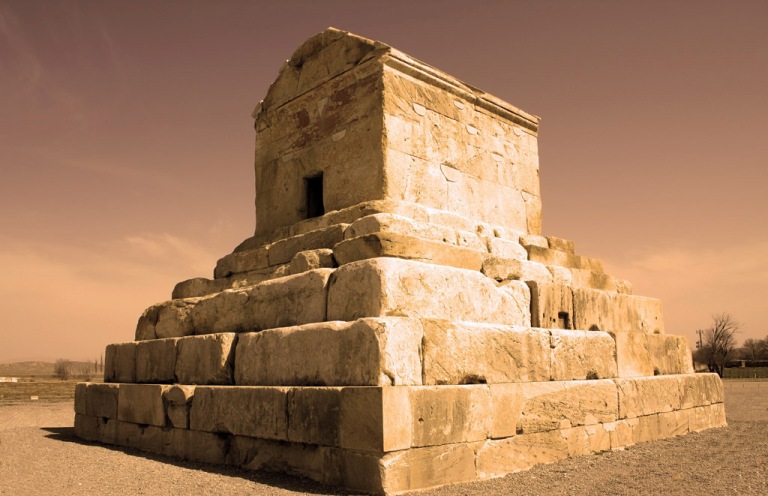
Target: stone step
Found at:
395, 351
392, 439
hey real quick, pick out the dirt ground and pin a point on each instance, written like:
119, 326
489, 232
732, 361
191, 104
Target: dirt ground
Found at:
39, 455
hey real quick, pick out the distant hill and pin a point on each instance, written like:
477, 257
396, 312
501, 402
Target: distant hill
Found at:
37, 369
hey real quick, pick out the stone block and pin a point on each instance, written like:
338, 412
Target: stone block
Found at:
244, 411
368, 352
391, 286
586, 440
398, 224
169, 319
561, 405
466, 353
384, 244
243, 261
207, 359
648, 395
313, 415
156, 361
507, 268
640, 354
450, 414
594, 280
551, 305
142, 404
706, 417
582, 355
502, 456
96, 429
700, 390
120, 362
178, 401
199, 446
528, 240
80, 397
614, 312
283, 251
561, 244
377, 419
506, 249
101, 400
312, 259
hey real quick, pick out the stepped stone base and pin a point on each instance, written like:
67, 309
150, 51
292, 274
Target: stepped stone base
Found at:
392, 439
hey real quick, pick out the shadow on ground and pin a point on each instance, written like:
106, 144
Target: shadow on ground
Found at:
295, 483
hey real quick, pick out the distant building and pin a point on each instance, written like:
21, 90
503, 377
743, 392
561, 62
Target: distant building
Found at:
9, 379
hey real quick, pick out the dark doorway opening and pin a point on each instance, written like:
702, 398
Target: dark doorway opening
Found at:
314, 188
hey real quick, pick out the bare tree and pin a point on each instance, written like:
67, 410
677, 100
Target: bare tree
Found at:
62, 369
86, 371
720, 341
751, 349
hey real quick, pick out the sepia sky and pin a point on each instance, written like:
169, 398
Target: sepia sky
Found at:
126, 143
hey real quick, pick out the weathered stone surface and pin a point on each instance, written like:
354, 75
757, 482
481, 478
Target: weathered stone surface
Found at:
706, 417
321, 258
551, 305
370, 352
582, 355
141, 404
178, 401
528, 240
398, 224
80, 397
565, 404
99, 429
169, 319
120, 362
450, 414
465, 353
101, 400
567, 259
377, 419
384, 244
500, 457
648, 395
313, 415
508, 268
243, 261
582, 278
286, 301
614, 312
700, 390
390, 286
207, 359
504, 248
245, 411
561, 244
156, 360
640, 354
284, 250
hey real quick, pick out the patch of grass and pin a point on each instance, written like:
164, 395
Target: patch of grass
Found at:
45, 390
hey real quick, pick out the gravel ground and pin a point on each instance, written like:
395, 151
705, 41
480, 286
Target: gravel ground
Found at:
39, 455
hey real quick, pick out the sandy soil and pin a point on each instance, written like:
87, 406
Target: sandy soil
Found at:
39, 455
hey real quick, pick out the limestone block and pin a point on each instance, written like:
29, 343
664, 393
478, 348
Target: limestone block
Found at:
120, 362
673, 424
529, 240
471, 241
313, 415
285, 301
398, 224
244, 411
507, 268
450, 414
142, 404
613, 312
560, 275
583, 278
166, 320
405, 470
504, 248
283, 251
101, 400
582, 355
561, 244
391, 286
513, 454
206, 359
178, 401
196, 446
384, 244
587, 440
316, 462
312, 259
243, 261
706, 417
156, 360
80, 397
377, 419
565, 404
621, 432
551, 305
384, 351
196, 287
648, 395
700, 390
507, 406
639, 354
96, 429
465, 353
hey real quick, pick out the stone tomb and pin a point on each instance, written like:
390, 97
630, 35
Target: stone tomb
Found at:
397, 321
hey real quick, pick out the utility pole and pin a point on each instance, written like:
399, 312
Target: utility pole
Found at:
699, 345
